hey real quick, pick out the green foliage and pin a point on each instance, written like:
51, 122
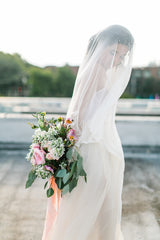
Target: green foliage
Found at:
66, 178
31, 177
34, 81
45, 185
69, 154
50, 192
18, 77
65, 189
126, 95
12, 68
47, 83
67, 181
73, 184
64, 80
147, 86
61, 173
41, 83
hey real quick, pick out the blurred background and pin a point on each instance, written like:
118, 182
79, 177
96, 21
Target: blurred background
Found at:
42, 46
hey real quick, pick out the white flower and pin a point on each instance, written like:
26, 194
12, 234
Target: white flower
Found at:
41, 172
39, 136
57, 148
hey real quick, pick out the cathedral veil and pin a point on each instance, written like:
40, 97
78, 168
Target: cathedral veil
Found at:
101, 80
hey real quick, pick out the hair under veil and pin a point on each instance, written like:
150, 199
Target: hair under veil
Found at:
101, 80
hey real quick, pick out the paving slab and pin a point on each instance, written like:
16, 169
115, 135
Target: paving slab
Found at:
22, 211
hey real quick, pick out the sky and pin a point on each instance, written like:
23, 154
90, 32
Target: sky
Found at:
49, 32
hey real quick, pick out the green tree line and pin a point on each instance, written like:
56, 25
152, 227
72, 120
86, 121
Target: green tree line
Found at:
20, 78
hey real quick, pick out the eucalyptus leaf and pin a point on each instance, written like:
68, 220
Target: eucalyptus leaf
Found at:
58, 182
78, 156
85, 178
50, 192
72, 168
79, 165
72, 184
69, 154
65, 189
61, 173
66, 178
31, 177
75, 154
82, 173
45, 185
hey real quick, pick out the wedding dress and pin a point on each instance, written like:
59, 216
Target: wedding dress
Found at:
92, 211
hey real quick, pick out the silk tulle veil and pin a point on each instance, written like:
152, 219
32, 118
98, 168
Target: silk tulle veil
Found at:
92, 211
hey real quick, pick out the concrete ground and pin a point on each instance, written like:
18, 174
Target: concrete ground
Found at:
22, 211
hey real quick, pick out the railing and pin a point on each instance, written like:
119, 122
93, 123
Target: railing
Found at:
29, 105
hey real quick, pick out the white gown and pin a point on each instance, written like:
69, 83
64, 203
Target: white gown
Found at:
92, 211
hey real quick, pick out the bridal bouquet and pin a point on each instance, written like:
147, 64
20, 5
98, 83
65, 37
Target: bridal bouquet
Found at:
53, 153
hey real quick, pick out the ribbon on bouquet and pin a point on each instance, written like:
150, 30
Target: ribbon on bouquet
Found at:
52, 208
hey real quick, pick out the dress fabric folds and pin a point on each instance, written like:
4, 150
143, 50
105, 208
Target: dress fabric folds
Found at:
92, 211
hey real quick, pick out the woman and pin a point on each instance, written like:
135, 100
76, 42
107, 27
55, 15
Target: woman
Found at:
92, 211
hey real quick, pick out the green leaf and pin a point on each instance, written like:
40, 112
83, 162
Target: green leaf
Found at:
66, 178
85, 178
32, 125
50, 192
82, 173
79, 156
73, 168
62, 129
79, 165
31, 177
65, 189
45, 185
61, 173
58, 182
75, 154
80, 169
73, 184
69, 154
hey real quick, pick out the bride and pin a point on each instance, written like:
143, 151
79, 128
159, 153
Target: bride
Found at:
92, 211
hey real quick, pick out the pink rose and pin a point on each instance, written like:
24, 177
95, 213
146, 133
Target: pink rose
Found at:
39, 156
35, 145
48, 168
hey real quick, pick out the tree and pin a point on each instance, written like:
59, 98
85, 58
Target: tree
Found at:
64, 80
41, 83
12, 72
